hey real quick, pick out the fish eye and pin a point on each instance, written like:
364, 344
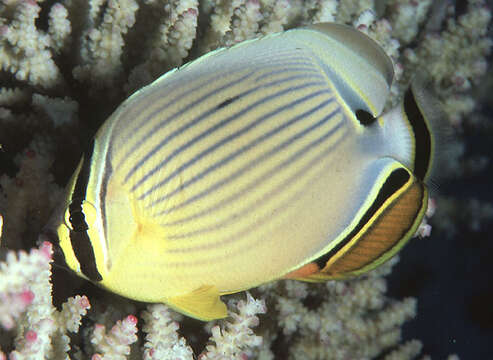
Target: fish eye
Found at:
364, 117
80, 215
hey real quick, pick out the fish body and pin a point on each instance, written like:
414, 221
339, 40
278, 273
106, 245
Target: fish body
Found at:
267, 160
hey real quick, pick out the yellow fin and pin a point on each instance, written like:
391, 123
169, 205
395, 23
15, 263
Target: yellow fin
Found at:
203, 304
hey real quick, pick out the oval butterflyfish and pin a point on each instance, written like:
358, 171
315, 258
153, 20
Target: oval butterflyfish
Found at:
268, 160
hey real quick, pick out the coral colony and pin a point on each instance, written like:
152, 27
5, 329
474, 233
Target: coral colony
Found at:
67, 64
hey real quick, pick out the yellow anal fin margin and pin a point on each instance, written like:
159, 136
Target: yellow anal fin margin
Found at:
388, 232
203, 304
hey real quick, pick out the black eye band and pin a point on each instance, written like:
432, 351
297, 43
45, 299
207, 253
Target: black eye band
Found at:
77, 218
81, 243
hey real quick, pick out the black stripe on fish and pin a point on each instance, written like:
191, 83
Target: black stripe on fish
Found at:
396, 180
81, 243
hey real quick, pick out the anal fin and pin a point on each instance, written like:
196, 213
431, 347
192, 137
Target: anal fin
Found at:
203, 304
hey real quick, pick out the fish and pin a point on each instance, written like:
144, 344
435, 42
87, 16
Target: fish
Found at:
271, 159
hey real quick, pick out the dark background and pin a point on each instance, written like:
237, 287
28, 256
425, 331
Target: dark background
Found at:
452, 275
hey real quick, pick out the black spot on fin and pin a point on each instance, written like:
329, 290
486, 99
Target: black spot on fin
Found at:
364, 117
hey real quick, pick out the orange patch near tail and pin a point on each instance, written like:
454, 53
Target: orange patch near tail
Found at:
388, 231
302, 272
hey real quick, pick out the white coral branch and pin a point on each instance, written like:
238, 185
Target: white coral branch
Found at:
236, 338
116, 344
25, 291
162, 341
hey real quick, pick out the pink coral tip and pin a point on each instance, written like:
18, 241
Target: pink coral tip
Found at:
31, 336
4, 30
96, 357
191, 11
131, 319
84, 302
47, 249
27, 297
30, 153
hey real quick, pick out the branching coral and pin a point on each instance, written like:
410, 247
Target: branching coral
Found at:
25, 291
26, 51
339, 320
67, 63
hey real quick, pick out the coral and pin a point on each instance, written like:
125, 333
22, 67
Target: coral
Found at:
236, 337
25, 291
66, 64
339, 320
26, 51
162, 341
115, 345
102, 41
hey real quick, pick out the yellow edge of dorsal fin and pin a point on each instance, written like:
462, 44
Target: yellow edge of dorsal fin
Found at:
202, 304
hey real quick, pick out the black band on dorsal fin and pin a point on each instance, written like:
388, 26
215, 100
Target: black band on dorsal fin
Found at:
422, 135
81, 243
395, 181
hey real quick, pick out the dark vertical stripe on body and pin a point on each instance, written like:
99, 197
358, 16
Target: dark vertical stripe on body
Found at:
108, 171
79, 239
422, 136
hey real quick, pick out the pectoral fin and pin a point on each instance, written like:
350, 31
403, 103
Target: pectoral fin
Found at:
203, 304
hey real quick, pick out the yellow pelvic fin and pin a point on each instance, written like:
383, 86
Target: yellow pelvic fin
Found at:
203, 304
